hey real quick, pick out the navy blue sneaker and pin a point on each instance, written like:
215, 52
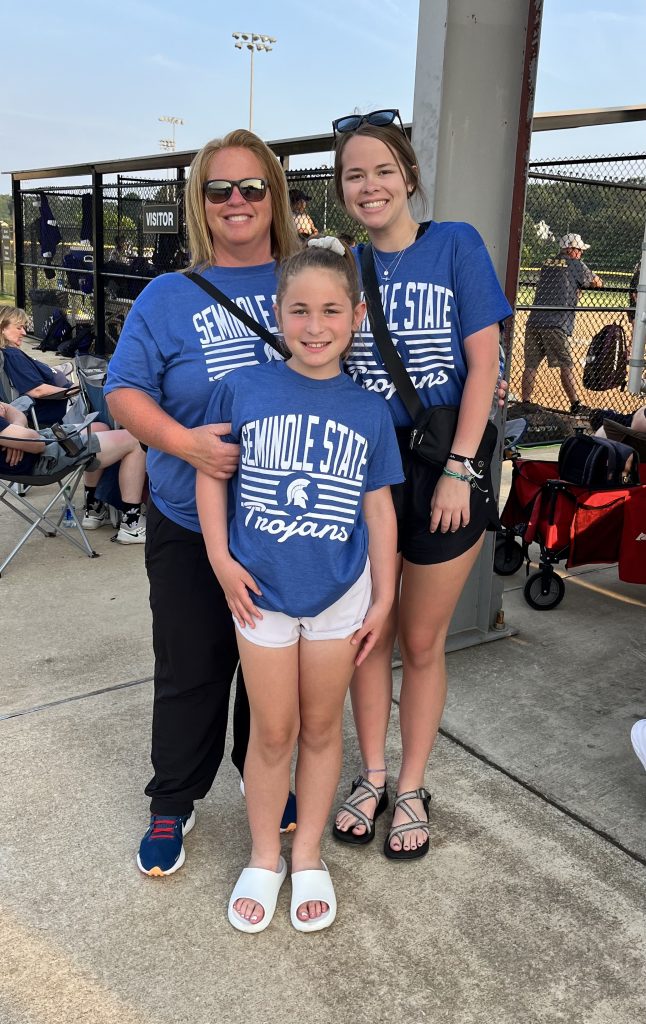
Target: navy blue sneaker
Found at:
288, 820
161, 851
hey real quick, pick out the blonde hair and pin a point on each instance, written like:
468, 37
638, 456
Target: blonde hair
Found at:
284, 238
11, 315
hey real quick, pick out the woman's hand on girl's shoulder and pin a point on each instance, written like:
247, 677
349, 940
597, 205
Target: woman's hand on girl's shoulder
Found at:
236, 583
450, 505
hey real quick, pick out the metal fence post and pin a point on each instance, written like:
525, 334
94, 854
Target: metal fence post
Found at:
637, 362
99, 281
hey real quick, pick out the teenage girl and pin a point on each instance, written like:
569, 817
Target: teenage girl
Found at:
307, 568
444, 306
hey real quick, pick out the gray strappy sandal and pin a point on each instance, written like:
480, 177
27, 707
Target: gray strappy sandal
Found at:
397, 831
362, 790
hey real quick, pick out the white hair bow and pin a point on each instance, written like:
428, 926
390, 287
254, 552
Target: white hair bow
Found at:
328, 242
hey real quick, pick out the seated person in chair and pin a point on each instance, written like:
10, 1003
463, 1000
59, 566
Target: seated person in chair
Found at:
27, 452
633, 420
29, 376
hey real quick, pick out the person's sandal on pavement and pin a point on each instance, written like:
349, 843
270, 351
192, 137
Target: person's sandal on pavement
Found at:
362, 790
398, 831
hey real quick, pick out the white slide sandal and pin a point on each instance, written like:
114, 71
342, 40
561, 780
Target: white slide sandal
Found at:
262, 886
313, 885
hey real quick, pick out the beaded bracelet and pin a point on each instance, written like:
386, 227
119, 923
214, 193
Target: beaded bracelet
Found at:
456, 476
468, 465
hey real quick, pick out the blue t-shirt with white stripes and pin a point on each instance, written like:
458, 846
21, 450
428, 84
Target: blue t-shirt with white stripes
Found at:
309, 451
443, 289
176, 344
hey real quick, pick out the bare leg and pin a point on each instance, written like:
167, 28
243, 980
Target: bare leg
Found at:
639, 421
92, 479
121, 446
371, 691
435, 589
271, 679
325, 672
569, 384
527, 385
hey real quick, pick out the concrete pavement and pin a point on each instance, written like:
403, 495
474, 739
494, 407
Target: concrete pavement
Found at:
529, 908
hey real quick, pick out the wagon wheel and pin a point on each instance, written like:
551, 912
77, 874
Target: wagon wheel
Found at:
508, 554
544, 590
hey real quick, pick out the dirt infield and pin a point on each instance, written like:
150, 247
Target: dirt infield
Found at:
548, 391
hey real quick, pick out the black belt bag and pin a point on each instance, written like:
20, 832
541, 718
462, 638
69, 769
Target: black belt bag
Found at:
432, 435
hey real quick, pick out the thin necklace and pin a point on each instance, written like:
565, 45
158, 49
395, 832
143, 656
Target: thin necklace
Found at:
386, 271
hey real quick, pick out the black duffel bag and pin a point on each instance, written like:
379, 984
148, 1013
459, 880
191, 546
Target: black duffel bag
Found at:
598, 462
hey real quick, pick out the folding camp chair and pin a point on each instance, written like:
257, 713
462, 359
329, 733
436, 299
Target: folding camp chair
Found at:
626, 435
48, 520
91, 373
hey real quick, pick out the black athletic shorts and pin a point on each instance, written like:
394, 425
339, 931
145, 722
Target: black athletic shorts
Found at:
412, 501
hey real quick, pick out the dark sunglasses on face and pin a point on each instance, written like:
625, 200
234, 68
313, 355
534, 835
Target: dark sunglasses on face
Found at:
377, 118
219, 190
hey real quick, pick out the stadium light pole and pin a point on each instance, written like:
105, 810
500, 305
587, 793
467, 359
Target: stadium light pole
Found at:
253, 41
169, 144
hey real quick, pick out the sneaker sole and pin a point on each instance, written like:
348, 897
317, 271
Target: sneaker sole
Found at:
127, 538
157, 872
638, 739
95, 524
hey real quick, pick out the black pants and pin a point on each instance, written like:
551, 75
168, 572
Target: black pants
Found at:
195, 659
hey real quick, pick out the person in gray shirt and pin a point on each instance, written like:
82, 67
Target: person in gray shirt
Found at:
546, 336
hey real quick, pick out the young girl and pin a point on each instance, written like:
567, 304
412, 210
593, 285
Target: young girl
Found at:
308, 568
443, 304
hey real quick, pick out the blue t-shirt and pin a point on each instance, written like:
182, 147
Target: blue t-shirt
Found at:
25, 374
175, 345
309, 450
442, 290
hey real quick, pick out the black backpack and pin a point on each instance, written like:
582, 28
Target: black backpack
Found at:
81, 340
606, 364
57, 329
597, 462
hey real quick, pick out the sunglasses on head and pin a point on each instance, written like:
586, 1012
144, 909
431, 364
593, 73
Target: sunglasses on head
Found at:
219, 190
377, 118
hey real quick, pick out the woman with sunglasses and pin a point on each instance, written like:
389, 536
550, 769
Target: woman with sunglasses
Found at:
176, 344
443, 305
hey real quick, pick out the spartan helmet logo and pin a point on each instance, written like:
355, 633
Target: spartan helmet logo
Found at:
296, 492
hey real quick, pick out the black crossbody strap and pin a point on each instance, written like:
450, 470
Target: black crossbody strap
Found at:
244, 318
391, 358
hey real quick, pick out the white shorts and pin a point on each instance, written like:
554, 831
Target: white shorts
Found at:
336, 622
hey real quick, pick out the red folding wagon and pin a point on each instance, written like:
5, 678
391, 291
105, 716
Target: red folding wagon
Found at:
573, 524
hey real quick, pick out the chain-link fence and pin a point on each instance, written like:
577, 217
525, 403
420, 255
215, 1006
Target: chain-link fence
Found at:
568, 293
602, 200
315, 208
61, 272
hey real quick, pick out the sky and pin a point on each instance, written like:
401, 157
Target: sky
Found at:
86, 80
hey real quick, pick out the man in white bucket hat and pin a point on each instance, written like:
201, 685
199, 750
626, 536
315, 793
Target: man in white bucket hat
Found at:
546, 336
